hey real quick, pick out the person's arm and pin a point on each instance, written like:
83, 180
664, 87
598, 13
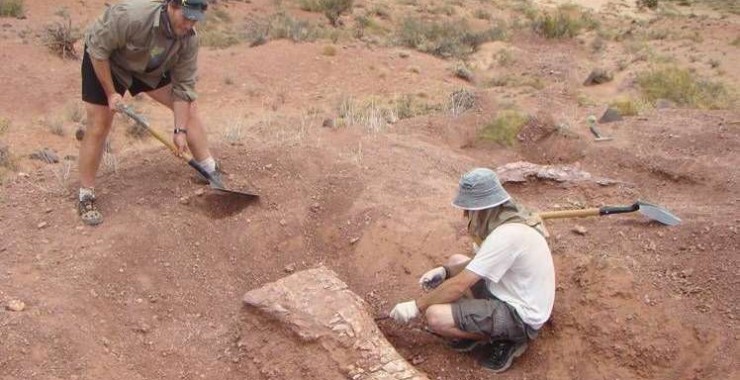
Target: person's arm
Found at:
107, 34
181, 111
103, 72
450, 290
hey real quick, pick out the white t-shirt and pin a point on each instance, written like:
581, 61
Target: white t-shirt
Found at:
516, 264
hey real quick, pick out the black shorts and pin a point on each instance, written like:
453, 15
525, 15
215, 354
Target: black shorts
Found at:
92, 90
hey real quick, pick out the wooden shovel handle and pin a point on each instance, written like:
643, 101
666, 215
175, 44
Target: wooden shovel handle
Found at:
142, 122
570, 213
185, 156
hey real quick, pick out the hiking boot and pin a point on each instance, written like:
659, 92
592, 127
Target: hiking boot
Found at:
502, 353
89, 212
465, 345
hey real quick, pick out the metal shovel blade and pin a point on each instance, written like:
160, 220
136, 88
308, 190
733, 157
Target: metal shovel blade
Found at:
658, 213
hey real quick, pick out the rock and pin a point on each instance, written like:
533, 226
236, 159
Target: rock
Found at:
610, 115
318, 307
329, 123
598, 76
290, 268
41, 225
80, 133
46, 155
354, 240
404, 54
315, 207
200, 192
581, 230
15, 305
184, 200
520, 171
283, 222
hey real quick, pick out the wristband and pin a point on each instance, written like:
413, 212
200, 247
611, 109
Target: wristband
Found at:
447, 271
181, 130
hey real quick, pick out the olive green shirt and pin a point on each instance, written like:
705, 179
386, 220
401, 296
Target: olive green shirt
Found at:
130, 36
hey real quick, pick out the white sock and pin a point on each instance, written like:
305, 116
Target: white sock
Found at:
87, 193
209, 164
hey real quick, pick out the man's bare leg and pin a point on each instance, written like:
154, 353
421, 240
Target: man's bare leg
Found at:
440, 320
99, 121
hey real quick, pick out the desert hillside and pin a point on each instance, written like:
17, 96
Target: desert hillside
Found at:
354, 125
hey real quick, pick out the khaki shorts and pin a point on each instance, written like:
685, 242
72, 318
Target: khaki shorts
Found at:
485, 314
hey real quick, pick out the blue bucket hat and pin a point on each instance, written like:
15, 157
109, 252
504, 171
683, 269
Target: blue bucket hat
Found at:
480, 189
193, 9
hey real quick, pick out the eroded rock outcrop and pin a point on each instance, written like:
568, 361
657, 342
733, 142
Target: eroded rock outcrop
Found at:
319, 308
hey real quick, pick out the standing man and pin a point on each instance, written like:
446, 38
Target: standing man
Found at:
511, 277
140, 46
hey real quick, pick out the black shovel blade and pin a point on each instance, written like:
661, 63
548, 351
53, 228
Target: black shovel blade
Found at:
223, 190
658, 213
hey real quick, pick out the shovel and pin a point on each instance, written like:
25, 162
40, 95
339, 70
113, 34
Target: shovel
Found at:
650, 210
215, 183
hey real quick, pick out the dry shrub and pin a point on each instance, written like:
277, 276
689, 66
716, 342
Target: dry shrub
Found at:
60, 37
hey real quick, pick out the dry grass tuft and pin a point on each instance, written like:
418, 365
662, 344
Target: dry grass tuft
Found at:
60, 37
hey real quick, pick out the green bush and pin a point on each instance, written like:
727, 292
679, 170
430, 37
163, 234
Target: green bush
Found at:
332, 9
11, 8
684, 88
565, 22
505, 127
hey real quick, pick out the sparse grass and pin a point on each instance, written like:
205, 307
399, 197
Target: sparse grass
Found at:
329, 51
513, 80
505, 58
565, 22
4, 125
234, 132
6, 159
277, 26
75, 112
448, 39
60, 36
462, 71
684, 88
505, 127
11, 8
216, 30
55, 126
631, 106
376, 113
736, 42
482, 14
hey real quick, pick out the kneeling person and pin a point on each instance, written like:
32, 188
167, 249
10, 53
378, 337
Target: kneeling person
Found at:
511, 278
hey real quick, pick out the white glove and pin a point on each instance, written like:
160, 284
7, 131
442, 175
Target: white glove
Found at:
433, 278
405, 311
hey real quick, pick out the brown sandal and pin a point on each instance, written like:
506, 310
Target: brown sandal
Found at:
89, 212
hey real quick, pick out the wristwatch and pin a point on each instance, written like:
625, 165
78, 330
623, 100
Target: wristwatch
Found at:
180, 130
